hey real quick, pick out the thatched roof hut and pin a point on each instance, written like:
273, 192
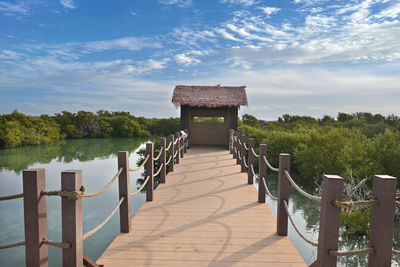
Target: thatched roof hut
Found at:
209, 96
199, 103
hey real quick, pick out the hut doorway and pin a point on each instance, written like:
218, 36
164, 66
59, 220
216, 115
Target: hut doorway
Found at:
208, 127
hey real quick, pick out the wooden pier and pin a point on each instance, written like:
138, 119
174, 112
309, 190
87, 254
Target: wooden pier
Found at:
205, 214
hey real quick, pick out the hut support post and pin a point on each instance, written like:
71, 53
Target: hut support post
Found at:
35, 217
382, 220
71, 213
124, 185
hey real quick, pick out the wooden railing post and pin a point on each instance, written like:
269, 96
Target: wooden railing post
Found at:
185, 146
149, 172
124, 191
283, 194
171, 152
182, 145
35, 217
234, 145
163, 160
239, 137
243, 152
72, 219
230, 141
177, 147
250, 162
382, 220
329, 220
262, 172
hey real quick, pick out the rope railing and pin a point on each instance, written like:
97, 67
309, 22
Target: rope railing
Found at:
245, 164
238, 155
176, 153
252, 170
141, 165
169, 160
349, 206
76, 195
94, 230
176, 141
396, 252
159, 154
267, 189
269, 165
301, 191
56, 244
240, 143
355, 252
315, 244
141, 188
254, 153
169, 146
13, 245
159, 170
245, 147
11, 197
397, 203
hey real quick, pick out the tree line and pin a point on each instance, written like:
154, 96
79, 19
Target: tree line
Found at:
17, 129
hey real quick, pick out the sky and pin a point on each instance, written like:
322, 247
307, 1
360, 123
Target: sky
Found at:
299, 57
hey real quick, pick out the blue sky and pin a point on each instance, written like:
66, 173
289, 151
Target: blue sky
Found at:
304, 57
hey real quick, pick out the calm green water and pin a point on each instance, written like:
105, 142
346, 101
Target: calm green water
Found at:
97, 158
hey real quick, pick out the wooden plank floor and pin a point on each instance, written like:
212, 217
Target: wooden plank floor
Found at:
204, 215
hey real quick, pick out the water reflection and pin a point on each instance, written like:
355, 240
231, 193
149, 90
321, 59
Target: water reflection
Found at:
97, 158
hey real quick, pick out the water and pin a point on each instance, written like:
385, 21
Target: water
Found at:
97, 158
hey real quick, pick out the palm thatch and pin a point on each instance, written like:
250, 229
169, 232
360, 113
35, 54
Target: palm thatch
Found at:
209, 96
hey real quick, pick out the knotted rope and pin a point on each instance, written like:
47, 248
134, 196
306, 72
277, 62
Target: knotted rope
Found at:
269, 165
267, 190
349, 206
141, 165
140, 189
11, 197
315, 244
301, 191
76, 195
94, 230
351, 252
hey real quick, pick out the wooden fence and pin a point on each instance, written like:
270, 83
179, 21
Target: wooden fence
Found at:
72, 192
383, 205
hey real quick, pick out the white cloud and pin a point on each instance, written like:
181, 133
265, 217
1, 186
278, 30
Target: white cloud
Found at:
240, 2
68, 4
126, 43
8, 54
269, 10
180, 3
10, 9
186, 60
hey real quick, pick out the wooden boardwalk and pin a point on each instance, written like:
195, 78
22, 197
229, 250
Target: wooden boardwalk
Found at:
204, 215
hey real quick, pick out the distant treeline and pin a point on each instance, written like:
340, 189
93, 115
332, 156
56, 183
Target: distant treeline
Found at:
17, 129
356, 145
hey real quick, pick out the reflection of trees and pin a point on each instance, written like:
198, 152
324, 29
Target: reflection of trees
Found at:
19, 159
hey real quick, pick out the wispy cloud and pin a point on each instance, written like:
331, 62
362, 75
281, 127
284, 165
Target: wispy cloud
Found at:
241, 2
186, 60
10, 9
269, 10
180, 3
68, 4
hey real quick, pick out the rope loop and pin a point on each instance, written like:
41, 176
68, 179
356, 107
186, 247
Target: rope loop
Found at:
169, 146
267, 190
140, 189
141, 165
269, 165
159, 154
245, 147
315, 244
169, 160
159, 170
301, 191
94, 230
252, 170
254, 153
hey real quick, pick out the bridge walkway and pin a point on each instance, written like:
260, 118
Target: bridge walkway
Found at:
204, 215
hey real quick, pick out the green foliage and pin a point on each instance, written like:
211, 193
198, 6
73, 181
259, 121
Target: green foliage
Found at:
356, 223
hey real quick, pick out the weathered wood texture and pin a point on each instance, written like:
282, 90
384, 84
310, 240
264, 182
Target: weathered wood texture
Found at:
204, 215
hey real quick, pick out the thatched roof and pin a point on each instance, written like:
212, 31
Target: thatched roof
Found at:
209, 96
